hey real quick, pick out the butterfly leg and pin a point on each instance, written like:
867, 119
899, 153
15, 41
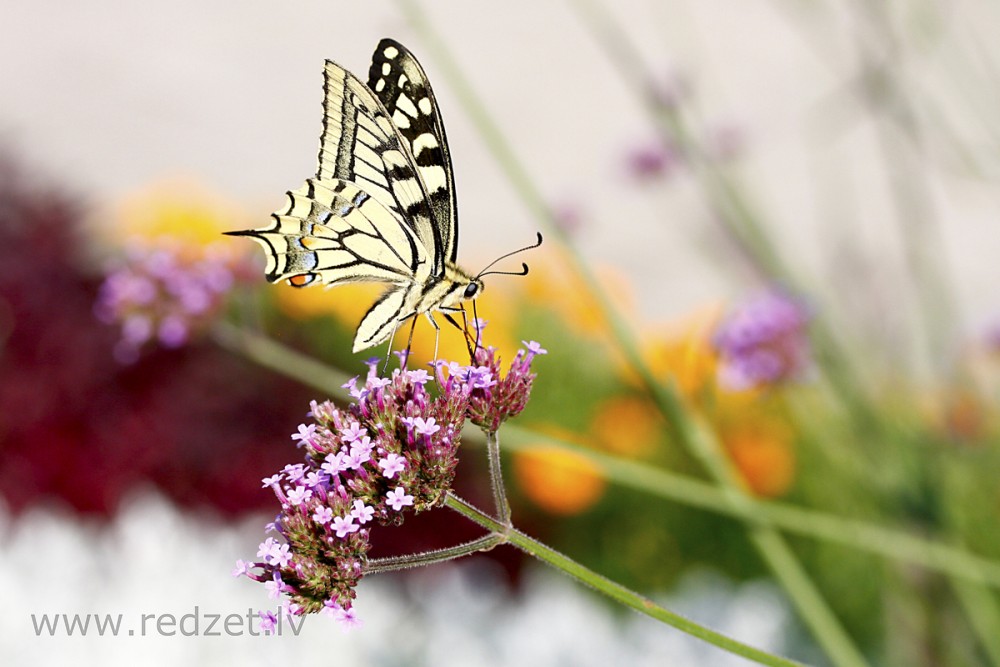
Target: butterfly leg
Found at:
464, 328
388, 352
392, 337
405, 357
479, 329
437, 335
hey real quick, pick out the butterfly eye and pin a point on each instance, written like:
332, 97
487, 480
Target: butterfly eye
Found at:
470, 290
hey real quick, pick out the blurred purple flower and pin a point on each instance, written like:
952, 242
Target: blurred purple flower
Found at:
992, 338
162, 293
763, 341
567, 216
652, 161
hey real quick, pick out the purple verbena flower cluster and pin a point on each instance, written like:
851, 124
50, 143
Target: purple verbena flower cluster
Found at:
494, 398
163, 294
392, 450
764, 341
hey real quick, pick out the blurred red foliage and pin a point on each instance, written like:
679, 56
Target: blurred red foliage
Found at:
76, 426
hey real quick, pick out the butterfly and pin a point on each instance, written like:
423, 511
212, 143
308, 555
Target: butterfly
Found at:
382, 206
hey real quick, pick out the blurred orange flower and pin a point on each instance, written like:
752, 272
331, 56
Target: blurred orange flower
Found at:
493, 306
557, 480
959, 413
349, 303
762, 452
628, 426
681, 352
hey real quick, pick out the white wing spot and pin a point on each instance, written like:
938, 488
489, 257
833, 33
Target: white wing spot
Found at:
425, 106
402, 80
379, 85
386, 68
434, 178
403, 102
390, 52
401, 120
424, 141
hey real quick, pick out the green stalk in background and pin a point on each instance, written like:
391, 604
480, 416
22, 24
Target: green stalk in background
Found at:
688, 491
695, 436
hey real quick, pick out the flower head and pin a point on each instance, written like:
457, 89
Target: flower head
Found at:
653, 160
493, 397
165, 295
763, 341
390, 452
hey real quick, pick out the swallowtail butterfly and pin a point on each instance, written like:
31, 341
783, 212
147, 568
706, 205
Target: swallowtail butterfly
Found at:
382, 205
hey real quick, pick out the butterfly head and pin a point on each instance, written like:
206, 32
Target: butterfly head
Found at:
459, 287
473, 289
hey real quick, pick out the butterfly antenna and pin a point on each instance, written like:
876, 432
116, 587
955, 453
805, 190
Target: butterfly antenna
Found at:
524, 267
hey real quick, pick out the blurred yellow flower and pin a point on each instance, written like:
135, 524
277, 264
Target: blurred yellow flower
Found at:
681, 352
179, 211
553, 286
557, 480
628, 426
762, 452
348, 303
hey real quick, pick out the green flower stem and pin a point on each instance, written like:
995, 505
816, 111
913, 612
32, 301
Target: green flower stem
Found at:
613, 590
900, 140
696, 437
860, 535
496, 477
393, 563
894, 544
984, 617
282, 359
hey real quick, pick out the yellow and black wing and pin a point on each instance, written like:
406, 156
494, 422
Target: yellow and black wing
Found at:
362, 144
404, 90
333, 232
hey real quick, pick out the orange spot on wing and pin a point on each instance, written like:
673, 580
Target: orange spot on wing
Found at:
301, 280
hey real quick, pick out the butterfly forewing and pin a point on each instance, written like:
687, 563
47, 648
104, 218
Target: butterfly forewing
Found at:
361, 144
404, 90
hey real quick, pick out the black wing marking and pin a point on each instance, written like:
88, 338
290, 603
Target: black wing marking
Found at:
361, 144
404, 90
333, 232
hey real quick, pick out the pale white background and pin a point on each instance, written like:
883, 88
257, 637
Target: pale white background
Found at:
111, 96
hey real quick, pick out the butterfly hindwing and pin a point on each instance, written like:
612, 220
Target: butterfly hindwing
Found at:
382, 319
404, 90
361, 144
333, 232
